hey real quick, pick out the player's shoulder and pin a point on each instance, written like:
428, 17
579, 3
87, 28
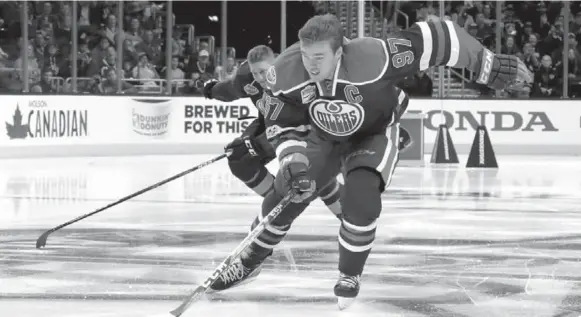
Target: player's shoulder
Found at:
287, 74
243, 72
366, 60
246, 80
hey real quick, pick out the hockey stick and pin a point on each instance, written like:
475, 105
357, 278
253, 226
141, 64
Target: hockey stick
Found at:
200, 290
41, 242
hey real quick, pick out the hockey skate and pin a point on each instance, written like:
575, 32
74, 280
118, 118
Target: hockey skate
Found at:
243, 270
346, 289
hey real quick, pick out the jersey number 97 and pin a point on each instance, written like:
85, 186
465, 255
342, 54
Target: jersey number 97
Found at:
270, 107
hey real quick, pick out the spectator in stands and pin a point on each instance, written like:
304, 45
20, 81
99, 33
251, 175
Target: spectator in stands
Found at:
62, 33
46, 17
530, 57
510, 47
176, 74
46, 84
546, 82
201, 69
47, 31
100, 51
575, 26
144, 71
159, 27
83, 58
51, 61
128, 66
202, 46
150, 46
84, 13
108, 85
553, 40
526, 34
484, 25
459, 14
90, 86
130, 52
110, 30
33, 66
177, 45
574, 59
109, 61
574, 47
544, 26
223, 73
134, 34
39, 47
533, 40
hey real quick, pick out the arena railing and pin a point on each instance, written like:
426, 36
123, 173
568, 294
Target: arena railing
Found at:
143, 86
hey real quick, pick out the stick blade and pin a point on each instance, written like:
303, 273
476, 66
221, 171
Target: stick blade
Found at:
41, 242
195, 295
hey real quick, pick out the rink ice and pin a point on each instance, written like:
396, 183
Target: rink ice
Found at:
450, 242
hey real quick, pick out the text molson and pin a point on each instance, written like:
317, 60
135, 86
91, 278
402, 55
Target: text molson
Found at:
497, 120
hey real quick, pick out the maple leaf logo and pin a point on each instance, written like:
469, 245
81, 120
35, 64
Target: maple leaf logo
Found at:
17, 130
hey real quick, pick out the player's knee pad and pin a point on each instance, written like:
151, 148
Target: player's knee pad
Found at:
244, 169
254, 175
362, 197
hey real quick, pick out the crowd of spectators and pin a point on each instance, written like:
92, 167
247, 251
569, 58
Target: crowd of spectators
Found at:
143, 40
534, 31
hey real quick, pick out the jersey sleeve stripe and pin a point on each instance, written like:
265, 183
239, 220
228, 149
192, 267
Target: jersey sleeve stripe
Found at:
275, 131
288, 147
447, 44
401, 97
441, 43
437, 38
454, 44
427, 47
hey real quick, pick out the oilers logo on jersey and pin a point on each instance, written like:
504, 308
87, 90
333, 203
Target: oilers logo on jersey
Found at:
337, 117
251, 90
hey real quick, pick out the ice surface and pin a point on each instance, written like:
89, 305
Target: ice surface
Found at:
451, 242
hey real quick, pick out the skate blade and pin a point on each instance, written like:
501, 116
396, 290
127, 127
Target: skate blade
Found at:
344, 302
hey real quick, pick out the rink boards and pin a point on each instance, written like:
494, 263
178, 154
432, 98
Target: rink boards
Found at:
40, 126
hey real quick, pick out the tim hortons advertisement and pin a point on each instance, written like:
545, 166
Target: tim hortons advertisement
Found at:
509, 122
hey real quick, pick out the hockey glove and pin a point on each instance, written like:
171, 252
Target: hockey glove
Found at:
295, 171
502, 71
208, 88
246, 145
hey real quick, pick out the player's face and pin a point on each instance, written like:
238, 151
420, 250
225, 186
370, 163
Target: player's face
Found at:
319, 59
259, 70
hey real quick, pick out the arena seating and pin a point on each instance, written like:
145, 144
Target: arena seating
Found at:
532, 30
